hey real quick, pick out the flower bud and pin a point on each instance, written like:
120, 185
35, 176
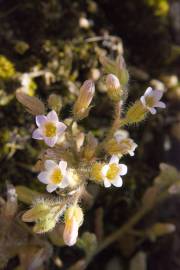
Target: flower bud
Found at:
90, 147
73, 220
81, 106
136, 113
32, 104
120, 147
40, 210
96, 171
45, 225
114, 87
55, 102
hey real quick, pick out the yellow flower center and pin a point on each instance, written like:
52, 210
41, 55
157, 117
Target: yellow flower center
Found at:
50, 129
150, 101
112, 171
56, 176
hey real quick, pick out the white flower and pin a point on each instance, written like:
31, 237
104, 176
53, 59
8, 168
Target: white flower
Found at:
128, 145
49, 128
151, 99
112, 172
55, 175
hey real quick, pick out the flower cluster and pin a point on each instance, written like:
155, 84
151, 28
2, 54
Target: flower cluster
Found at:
73, 157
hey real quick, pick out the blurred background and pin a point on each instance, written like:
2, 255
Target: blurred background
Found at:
50, 47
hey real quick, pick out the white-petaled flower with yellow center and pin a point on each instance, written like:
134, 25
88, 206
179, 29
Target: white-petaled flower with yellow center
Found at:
49, 128
73, 220
55, 175
151, 99
112, 172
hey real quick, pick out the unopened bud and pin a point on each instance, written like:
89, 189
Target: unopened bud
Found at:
90, 147
45, 225
32, 104
40, 210
55, 102
81, 107
114, 87
73, 220
96, 171
136, 113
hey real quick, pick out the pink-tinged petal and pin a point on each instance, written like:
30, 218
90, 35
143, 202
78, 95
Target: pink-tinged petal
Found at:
40, 120
43, 177
161, 104
114, 159
107, 183
63, 166
61, 127
52, 116
37, 134
152, 110
143, 101
70, 233
64, 183
148, 91
50, 164
50, 141
117, 182
123, 169
157, 94
50, 188
104, 170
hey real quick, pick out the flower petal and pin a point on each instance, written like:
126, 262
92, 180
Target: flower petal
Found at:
143, 101
104, 170
157, 94
64, 183
40, 120
70, 233
117, 182
37, 134
114, 159
61, 127
52, 116
50, 141
50, 188
148, 91
43, 177
123, 169
161, 104
49, 164
63, 166
152, 110
107, 183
